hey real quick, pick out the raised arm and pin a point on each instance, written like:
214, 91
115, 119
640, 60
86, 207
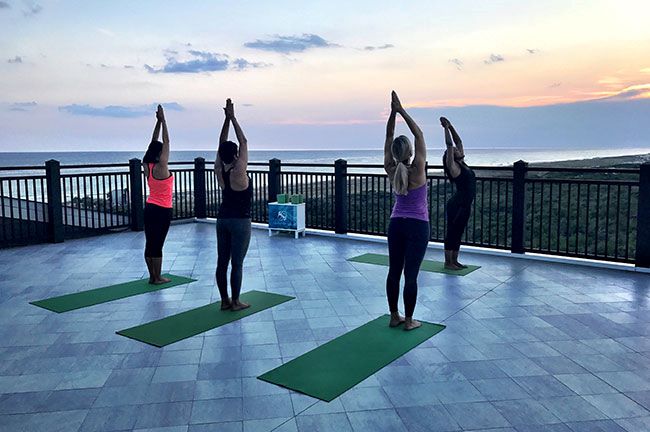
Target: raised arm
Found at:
457, 141
450, 161
156, 130
225, 129
239, 133
218, 170
164, 155
389, 161
420, 146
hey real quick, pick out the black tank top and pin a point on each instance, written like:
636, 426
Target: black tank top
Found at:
235, 204
465, 184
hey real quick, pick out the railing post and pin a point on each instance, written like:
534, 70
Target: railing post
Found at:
341, 196
518, 206
135, 185
200, 209
55, 232
275, 168
642, 258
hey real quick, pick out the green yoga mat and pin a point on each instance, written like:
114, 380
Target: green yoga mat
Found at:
331, 369
427, 265
96, 296
186, 324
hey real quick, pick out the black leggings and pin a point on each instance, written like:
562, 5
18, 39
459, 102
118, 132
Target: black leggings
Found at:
457, 217
233, 237
407, 244
156, 225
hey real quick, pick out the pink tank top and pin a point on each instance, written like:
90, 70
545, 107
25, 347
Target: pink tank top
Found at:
413, 205
160, 191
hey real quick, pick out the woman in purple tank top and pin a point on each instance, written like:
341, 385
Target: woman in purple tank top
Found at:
408, 230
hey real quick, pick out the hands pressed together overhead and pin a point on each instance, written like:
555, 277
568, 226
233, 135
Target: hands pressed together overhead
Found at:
160, 114
229, 109
395, 103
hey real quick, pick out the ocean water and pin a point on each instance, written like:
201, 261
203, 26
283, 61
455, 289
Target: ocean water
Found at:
491, 157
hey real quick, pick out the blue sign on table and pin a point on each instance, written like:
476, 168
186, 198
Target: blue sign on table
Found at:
283, 216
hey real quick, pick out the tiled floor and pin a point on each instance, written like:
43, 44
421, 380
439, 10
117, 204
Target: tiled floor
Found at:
529, 346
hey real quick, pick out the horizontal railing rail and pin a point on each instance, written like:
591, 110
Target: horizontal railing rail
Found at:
593, 213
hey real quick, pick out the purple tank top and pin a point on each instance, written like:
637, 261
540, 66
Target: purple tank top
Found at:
413, 205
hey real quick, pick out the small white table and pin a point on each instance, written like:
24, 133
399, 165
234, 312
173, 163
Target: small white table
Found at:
287, 217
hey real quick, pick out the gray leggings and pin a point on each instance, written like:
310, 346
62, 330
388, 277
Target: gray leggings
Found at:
233, 237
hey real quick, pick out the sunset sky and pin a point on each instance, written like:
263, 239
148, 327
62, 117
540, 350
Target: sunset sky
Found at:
84, 75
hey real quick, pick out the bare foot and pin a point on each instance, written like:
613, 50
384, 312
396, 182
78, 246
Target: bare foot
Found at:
463, 266
411, 324
151, 280
237, 306
452, 266
226, 304
161, 280
395, 319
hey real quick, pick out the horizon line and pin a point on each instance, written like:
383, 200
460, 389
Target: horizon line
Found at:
331, 150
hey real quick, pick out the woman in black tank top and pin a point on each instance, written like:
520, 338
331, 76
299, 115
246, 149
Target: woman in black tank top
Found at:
234, 204
234, 216
459, 205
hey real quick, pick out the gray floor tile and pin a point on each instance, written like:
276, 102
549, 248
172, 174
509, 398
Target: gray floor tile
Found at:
572, 408
324, 423
477, 415
617, 406
525, 412
428, 418
217, 410
379, 421
523, 337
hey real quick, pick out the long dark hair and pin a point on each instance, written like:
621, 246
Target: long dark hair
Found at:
228, 150
444, 165
153, 152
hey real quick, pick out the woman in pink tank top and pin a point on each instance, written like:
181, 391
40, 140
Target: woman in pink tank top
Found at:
158, 209
408, 230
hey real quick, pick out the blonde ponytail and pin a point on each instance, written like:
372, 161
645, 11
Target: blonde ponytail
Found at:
402, 151
401, 179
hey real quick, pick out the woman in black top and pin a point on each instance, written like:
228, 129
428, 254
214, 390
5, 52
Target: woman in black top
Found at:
459, 205
234, 216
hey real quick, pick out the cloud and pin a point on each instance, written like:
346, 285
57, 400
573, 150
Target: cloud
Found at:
457, 62
17, 59
105, 32
639, 91
22, 106
380, 47
118, 111
201, 62
494, 58
4, 5
31, 8
532, 51
290, 44
555, 85
241, 64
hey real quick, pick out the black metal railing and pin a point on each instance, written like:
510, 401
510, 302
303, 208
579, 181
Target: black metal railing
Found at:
582, 218
318, 189
23, 209
94, 202
593, 213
